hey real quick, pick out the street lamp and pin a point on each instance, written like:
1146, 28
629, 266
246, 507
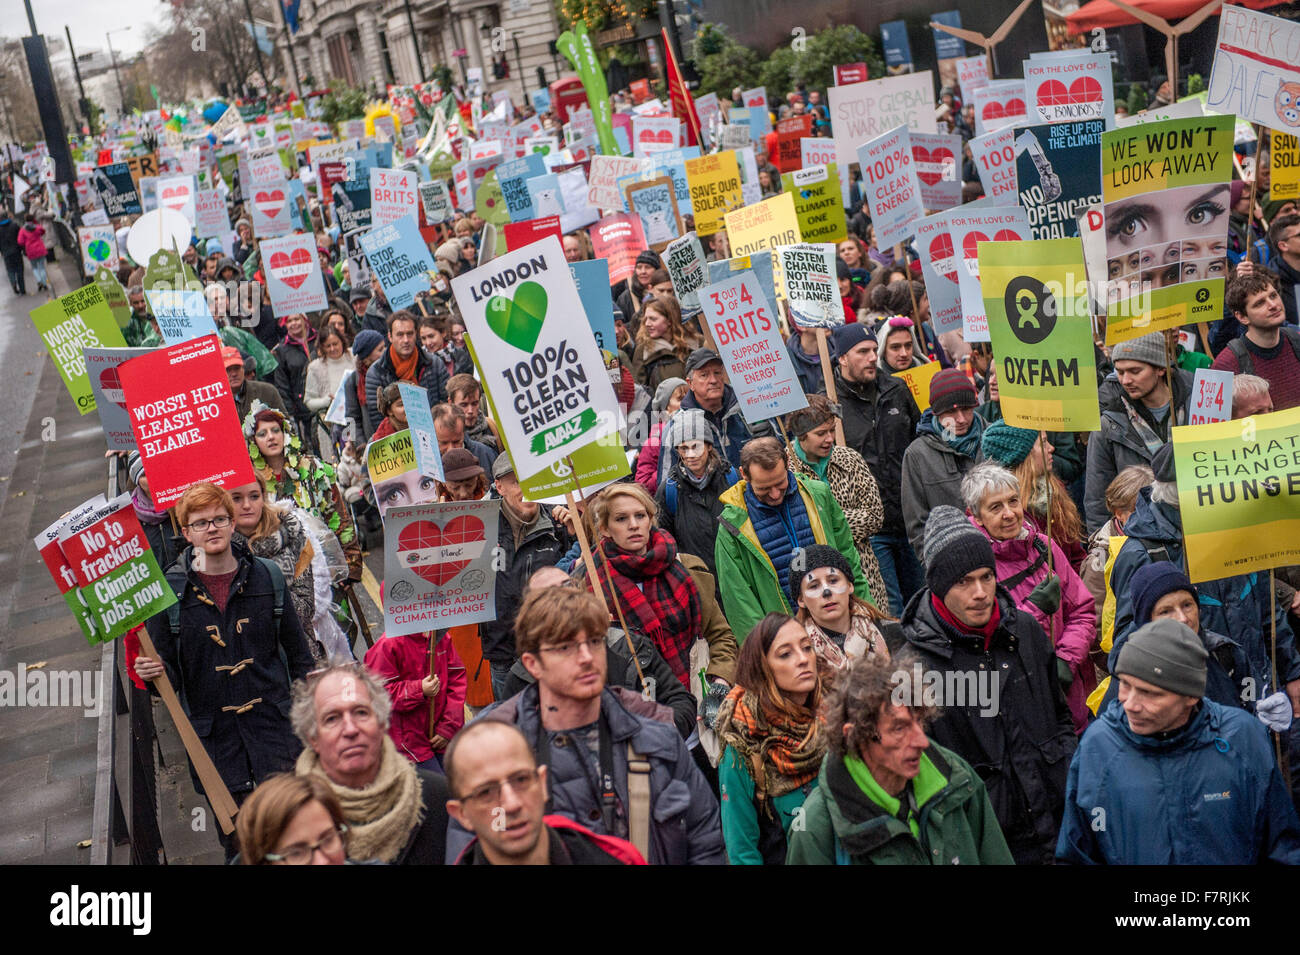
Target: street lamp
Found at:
121, 96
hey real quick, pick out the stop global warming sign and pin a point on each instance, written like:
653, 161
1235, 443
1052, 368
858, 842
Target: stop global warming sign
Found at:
744, 327
541, 367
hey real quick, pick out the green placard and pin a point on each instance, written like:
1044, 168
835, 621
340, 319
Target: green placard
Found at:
114, 295
80, 319
818, 204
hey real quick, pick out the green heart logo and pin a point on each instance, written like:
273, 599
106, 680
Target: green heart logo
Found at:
518, 321
544, 150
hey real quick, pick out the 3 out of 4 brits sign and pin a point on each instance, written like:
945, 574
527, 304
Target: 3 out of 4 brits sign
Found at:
541, 367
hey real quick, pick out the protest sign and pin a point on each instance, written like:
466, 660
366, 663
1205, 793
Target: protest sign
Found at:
811, 287
602, 181
1239, 494
337, 412
394, 474
1211, 396
684, 260
994, 155
117, 190
766, 225
1256, 73
544, 195
709, 111
817, 206
672, 163
182, 314
968, 228
110, 402
715, 188
936, 158
293, 275
114, 295
760, 118
789, 132
654, 203
178, 194
617, 238
436, 201
1000, 103
650, 134
393, 195
591, 277
184, 418
1036, 300
438, 567
744, 328
210, 217
1166, 192
98, 247
1058, 171
972, 74
271, 215
513, 176
118, 575
917, 380
400, 260
535, 361
265, 166
890, 186
65, 579
847, 73
520, 234
939, 271
760, 263
71, 323
1069, 89
1284, 167
868, 110
419, 422
821, 152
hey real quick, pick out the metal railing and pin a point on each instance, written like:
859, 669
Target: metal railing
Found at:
125, 829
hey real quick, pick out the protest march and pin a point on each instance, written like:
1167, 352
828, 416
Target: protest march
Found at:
903, 471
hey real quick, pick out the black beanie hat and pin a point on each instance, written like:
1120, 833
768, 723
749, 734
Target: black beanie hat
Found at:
814, 558
953, 548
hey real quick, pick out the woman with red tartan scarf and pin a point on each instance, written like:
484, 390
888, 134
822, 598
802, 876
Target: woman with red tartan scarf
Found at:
653, 588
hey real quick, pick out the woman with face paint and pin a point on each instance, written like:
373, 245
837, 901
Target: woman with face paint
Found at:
841, 626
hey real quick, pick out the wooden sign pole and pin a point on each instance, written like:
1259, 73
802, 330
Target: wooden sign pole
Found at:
829, 376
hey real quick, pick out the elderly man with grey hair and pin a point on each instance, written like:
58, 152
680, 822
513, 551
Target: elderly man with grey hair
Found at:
395, 813
1250, 396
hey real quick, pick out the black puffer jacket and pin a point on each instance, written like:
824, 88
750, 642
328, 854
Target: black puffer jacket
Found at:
1022, 750
247, 746
880, 424
429, 374
695, 524
290, 377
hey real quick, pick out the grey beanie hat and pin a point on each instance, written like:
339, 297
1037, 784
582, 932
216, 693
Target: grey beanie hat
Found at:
135, 466
1149, 348
1166, 653
664, 393
690, 424
953, 548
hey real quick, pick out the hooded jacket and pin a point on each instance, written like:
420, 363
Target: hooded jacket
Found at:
747, 579
1116, 445
956, 823
31, 239
1022, 750
9, 229
731, 424
694, 525
1237, 606
880, 423
932, 474
402, 663
1210, 794
656, 361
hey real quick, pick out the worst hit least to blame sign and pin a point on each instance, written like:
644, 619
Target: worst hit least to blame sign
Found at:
538, 358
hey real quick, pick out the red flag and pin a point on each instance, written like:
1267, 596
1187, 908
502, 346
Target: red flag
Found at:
683, 104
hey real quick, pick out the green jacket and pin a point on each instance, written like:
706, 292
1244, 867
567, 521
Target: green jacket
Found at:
743, 832
747, 581
955, 823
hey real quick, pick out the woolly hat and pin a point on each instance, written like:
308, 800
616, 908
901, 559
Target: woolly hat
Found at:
1149, 348
816, 557
953, 548
1151, 582
950, 389
367, 340
1236, 189
649, 258
664, 393
690, 424
135, 466
1166, 653
849, 336
1162, 464
449, 250
1007, 445
842, 270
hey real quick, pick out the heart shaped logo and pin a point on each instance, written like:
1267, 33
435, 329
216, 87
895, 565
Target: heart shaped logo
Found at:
996, 110
293, 268
175, 197
542, 150
518, 321
438, 555
1053, 93
932, 166
970, 245
112, 387
942, 257
1086, 89
269, 203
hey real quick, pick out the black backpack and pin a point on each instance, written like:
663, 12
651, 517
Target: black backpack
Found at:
1246, 361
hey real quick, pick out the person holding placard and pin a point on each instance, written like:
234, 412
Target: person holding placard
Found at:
710, 393
425, 693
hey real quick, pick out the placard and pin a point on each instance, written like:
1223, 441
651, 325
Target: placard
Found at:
715, 188
110, 401
789, 132
1256, 72
868, 110
1284, 167
817, 206
994, 155
71, 323
917, 379
400, 260
684, 260
98, 247
890, 186
393, 195
293, 275
269, 208
821, 152
936, 158
394, 476
513, 176
939, 266
967, 229
117, 190
178, 194
972, 74
520, 234
47, 545
811, 287
654, 203
1211, 396
436, 201
602, 181
591, 276
1058, 170
766, 225
1070, 89
211, 220
182, 314
419, 422
1000, 103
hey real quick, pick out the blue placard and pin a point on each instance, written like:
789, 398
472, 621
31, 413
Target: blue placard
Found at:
419, 419
547, 198
182, 314
898, 49
672, 163
399, 258
947, 46
541, 100
592, 278
513, 175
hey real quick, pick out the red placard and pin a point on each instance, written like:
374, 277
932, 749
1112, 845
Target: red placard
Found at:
327, 174
520, 234
618, 239
789, 152
847, 73
184, 419
640, 90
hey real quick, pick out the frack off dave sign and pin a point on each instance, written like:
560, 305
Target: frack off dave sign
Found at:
541, 366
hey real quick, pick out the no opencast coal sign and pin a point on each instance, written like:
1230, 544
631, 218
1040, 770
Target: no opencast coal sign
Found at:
538, 355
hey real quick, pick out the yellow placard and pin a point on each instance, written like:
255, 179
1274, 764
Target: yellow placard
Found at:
1284, 167
763, 225
714, 182
918, 379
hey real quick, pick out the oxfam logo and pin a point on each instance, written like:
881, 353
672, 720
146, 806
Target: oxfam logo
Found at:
1031, 309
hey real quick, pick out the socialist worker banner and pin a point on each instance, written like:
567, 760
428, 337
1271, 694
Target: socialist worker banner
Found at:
1036, 299
184, 418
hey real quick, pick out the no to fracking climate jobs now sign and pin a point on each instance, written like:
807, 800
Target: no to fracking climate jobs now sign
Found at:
542, 368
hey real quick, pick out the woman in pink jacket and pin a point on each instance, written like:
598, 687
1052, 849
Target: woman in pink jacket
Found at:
1059, 600
31, 238
402, 663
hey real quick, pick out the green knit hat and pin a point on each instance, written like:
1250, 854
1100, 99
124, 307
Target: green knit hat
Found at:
1007, 445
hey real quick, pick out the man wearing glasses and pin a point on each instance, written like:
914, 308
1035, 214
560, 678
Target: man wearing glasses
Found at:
615, 764
499, 794
229, 647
